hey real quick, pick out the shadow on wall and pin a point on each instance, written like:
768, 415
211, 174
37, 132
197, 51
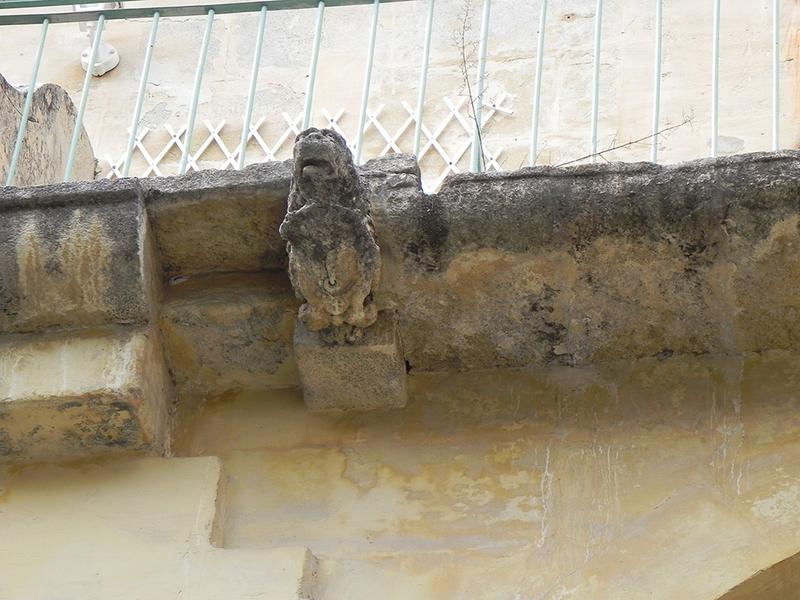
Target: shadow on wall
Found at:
781, 581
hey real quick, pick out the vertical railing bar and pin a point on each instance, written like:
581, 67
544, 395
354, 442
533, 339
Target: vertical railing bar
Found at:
248, 111
362, 113
312, 71
776, 74
537, 87
76, 132
423, 78
137, 111
198, 80
477, 109
598, 30
657, 79
715, 80
26, 107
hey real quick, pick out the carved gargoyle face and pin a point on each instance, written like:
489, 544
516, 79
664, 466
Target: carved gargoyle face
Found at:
333, 257
323, 167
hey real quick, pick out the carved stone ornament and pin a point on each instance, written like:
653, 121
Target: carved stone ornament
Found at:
334, 261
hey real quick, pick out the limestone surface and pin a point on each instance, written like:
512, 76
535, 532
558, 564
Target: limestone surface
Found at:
76, 394
75, 254
365, 374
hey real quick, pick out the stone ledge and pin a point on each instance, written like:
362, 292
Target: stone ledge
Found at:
227, 332
213, 221
74, 255
541, 266
78, 394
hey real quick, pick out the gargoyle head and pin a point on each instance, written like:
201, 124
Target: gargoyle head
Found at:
334, 260
324, 171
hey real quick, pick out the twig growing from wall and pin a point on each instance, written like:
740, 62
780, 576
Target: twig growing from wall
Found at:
601, 153
467, 52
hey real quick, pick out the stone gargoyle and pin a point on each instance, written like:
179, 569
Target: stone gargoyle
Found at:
334, 261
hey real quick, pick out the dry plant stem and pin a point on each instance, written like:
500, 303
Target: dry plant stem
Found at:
626, 144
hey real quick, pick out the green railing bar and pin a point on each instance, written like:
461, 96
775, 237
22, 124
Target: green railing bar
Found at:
598, 36
423, 78
26, 107
776, 74
248, 111
537, 86
312, 69
477, 142
76, 132
9, 4
715, 80
657, 79
362, 113
176, 11
198, 80
137, 111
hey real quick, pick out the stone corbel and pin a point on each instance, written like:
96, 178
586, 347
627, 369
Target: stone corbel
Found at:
349, 354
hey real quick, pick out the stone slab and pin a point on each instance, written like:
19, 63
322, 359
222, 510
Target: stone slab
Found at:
74, 255
133, 528
213, 221
595, 263
79, 394
230, 332
367, 374
289, 573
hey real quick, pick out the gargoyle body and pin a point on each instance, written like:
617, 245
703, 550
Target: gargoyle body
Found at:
334, 261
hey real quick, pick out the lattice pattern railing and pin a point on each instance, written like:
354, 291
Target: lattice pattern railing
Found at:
455, 126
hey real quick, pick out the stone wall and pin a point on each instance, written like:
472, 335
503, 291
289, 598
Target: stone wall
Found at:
539, 267
602, 389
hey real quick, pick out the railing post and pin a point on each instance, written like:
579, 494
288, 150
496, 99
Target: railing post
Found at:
76, 132
776, 74
248, 111
26, 107
537, 87
715, 80
198, 80
657, 80
598, 35
312, 70
423, 79
362, 114
477, 107
137, 111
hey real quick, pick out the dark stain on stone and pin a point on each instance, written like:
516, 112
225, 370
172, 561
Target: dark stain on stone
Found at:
67, 405
425, 249
7, 447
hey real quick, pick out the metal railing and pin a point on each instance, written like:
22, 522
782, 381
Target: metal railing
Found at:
263, 8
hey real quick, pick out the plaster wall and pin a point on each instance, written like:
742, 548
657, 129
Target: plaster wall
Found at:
655, 479
625, 78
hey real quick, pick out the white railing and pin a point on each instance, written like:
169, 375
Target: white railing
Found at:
458, 136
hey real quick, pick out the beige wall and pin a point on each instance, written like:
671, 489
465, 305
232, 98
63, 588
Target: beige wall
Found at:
625, 81
674, 479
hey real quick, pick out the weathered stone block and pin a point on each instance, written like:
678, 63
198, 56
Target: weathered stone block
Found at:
74, 255
75, 394
213, 221
233, 331
367, 374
